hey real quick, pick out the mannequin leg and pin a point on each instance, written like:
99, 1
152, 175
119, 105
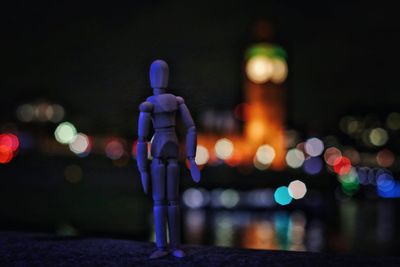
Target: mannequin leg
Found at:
174, 217
160, 207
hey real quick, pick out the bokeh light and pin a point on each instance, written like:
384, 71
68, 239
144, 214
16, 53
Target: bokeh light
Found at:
134, 147
280, 70
385, 158
342, 165
385, 182
331, 154
224, 148
9, 144
265, 154
349, 182
6, 154
193, 198
297, 189
55, 113
9, 140
295, 158
353, 155
314, 147
81, 145
351, 125
260, 166
362, 175
393, 121
259, 69
260, 198
202, 155
282, 196
224, 230
378, 136
391, 188
40, 111
312, 165
25, 112
114, 149
65, 133
229, 198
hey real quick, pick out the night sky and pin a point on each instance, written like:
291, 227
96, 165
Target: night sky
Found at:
94, 58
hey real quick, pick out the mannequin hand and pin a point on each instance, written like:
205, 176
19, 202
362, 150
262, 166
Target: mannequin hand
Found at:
145, 181
194, 170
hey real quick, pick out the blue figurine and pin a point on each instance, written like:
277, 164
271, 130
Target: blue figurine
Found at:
160, 110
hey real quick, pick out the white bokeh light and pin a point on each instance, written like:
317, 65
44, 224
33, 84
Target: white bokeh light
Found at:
378, 136
295, 158
314, 147
202, 155
265, 154
224, 148
297, 189
193, 198
81, 144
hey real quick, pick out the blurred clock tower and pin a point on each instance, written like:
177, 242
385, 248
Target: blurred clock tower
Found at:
265, 70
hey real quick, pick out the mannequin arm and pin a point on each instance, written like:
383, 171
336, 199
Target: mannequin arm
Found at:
141, 150
191, 138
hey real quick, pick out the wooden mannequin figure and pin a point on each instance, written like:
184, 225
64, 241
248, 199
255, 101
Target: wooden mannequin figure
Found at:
160, 111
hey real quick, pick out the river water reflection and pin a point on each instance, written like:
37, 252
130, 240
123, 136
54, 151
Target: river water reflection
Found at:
361, 227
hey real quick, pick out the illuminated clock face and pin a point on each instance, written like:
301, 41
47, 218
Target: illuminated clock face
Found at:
259, 69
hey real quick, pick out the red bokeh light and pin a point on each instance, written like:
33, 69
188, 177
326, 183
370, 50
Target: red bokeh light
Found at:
9, 140
9, 144
115, 148
6, 154
134, 147
385, 158
342, 165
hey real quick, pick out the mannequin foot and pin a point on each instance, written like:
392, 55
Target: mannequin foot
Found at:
158, 254
178, 253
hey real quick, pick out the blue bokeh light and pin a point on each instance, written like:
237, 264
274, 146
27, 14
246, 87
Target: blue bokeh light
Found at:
282, 196
313, 165
385, 182
392, 193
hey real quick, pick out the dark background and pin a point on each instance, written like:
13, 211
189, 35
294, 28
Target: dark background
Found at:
93, 59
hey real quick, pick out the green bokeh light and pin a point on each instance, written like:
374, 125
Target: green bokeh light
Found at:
349, 183
229, 198
65, 133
